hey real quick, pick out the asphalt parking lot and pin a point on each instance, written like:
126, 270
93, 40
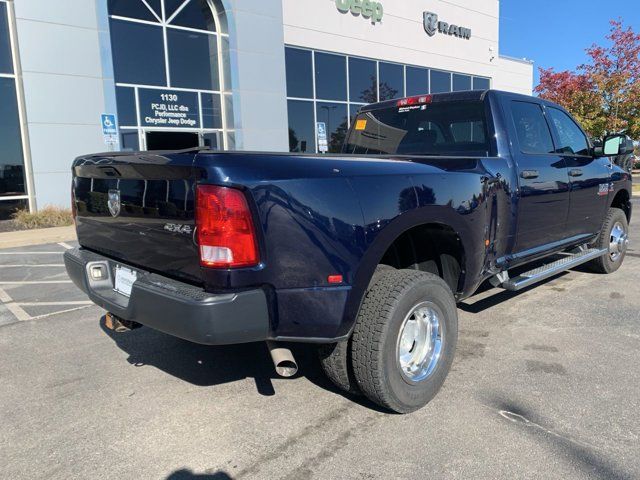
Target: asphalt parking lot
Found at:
546, 384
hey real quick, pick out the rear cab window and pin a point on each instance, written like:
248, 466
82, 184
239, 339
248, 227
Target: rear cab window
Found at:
451, 128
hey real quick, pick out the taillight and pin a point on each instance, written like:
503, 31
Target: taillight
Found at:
225, 232
74, 208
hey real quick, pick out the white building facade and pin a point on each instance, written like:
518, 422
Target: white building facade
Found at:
85, 76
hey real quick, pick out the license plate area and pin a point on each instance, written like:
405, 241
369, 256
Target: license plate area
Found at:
124, 280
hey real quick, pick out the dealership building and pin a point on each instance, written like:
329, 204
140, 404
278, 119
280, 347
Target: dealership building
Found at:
84, 76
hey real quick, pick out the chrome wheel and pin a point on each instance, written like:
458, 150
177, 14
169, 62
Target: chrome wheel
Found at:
420, 342
618, 241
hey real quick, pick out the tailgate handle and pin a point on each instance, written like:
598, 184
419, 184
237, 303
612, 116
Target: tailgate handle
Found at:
110, 171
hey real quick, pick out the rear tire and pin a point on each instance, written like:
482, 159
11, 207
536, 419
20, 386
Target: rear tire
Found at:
335, 359
613, 238
404, 339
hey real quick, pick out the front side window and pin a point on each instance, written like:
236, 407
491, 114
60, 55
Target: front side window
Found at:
572, 140
531, 128
445, 128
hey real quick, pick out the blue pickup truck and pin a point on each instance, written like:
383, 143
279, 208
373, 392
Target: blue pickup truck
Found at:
364, 253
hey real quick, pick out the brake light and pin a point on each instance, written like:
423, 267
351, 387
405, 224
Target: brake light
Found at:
417, 100
225, 231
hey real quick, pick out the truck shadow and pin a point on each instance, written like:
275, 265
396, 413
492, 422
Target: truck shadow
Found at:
207, 366
586, 457
185, 474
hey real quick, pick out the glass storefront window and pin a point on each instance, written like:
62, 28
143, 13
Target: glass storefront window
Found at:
363, 80
343, 84
138, 53
129, 140
481, 83
171, 71
302, 131
131, 9
126, 101
391, 81
331, 77
211, 110
6, 62
440, 81
417, 81
195, 14
189, 70
336, 119
12, 178
299, 73
461, 82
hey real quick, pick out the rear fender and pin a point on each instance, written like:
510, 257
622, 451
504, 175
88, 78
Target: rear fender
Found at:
384, 239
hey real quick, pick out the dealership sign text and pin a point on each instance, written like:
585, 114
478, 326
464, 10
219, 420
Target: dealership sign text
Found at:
366, 8
433, 25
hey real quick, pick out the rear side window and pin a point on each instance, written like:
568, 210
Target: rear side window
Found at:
533, 132
447, 128
572, 140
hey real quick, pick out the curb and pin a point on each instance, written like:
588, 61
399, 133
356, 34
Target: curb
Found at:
40, 236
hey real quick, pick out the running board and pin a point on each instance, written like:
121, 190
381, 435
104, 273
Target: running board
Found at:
549, 270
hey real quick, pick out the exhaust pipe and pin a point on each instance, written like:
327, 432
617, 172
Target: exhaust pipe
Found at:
283, 360
119, 325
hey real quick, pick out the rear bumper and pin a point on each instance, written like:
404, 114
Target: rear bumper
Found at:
173, 307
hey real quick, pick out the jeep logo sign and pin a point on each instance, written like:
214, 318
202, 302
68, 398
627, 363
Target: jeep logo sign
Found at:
433, 25
366, 8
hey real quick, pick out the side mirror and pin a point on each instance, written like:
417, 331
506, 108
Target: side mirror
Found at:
614, 145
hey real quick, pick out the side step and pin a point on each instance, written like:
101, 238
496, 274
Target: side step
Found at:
549, 270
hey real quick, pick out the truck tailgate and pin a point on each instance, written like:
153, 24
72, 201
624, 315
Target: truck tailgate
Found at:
139, 209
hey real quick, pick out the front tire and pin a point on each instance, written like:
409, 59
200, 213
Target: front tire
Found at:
613, 238
404, 339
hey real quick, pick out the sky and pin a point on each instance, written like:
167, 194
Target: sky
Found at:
555, 33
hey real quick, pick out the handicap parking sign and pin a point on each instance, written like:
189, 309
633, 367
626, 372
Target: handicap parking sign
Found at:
109, 124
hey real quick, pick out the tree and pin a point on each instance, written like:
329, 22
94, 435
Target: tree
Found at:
603, 94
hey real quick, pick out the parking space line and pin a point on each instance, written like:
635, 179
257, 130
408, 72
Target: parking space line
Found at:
32, 266
36, 282
52, 304
13, 307
39, 317
65, 245
30, 253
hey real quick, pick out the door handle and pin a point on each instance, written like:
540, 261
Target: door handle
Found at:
575, 172
528, 174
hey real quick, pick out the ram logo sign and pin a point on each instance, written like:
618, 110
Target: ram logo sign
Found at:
433, 25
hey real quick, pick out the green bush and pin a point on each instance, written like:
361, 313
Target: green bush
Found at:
44, 218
